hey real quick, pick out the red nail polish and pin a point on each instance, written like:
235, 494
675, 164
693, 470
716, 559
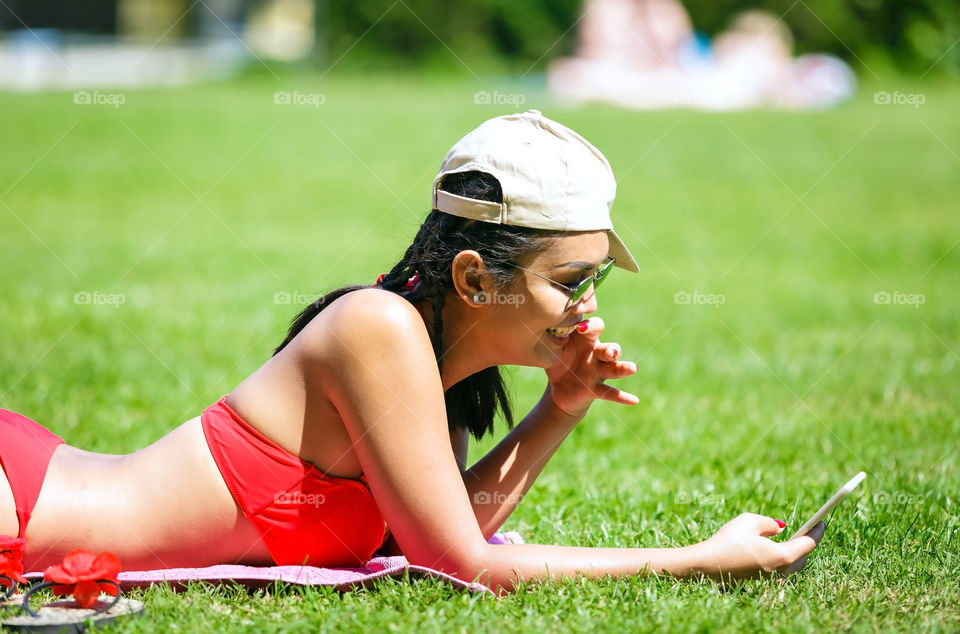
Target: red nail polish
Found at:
780, 523
582, 326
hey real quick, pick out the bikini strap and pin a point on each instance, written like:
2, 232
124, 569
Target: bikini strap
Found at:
409, 286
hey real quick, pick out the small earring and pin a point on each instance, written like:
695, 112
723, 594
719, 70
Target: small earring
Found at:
480, 298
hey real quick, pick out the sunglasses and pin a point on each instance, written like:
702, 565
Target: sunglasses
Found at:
576, 291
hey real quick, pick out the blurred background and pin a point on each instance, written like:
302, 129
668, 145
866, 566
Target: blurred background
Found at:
208, 38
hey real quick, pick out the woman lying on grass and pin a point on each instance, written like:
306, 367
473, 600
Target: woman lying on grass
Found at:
360, 420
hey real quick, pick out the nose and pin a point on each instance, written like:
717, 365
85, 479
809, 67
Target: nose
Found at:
588, 303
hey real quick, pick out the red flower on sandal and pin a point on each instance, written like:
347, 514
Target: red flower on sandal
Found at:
12, 544
11, 561
80, 574
11, 570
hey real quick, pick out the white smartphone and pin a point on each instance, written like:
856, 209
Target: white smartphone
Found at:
831, 503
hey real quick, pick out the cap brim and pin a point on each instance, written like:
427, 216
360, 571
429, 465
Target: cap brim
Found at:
619, 251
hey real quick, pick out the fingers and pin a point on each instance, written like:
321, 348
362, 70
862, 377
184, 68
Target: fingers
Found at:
799, 549
595, 327
610, 393
803, 545
610, 368
616, 370
609, 352
796, 566
815, 533
767, 526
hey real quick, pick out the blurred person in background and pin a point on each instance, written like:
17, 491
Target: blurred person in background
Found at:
645, 54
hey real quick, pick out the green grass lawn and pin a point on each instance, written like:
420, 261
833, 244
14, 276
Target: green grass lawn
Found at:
213, 213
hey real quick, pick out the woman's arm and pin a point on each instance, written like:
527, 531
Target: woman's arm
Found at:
740, 549
497, 482
389, 393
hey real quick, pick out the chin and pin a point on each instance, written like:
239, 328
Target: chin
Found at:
541, 360
548, 355
542, 363
542, 354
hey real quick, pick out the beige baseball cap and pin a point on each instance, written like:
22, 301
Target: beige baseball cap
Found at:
551, 177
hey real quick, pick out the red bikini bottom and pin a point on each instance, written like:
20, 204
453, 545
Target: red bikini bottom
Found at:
303, 515
26, 447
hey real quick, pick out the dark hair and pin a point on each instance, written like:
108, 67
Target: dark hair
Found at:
472, 403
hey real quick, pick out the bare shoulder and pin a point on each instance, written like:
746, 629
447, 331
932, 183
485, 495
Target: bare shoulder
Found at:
373, 359
371, 323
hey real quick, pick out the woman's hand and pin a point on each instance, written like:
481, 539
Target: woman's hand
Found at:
741, 549
577, 378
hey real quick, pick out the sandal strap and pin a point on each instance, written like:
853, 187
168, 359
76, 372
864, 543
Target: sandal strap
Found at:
25, 604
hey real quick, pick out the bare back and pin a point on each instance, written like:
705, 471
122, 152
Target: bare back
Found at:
167, 505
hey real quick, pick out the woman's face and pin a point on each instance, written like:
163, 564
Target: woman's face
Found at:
532, 314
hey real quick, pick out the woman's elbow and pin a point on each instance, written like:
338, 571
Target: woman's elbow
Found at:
471, 564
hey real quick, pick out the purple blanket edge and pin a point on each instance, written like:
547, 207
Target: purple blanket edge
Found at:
340, 578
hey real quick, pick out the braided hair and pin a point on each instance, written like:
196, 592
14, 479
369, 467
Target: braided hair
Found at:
472, 403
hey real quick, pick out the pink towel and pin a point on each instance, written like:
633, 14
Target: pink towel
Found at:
340, 578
